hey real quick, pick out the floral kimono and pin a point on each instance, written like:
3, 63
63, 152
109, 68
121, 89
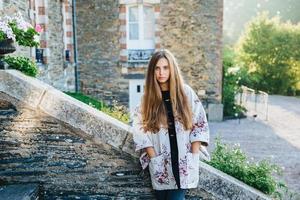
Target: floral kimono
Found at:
160, 167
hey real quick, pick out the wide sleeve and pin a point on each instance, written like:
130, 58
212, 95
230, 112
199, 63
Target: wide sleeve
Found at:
200, 129
141, 139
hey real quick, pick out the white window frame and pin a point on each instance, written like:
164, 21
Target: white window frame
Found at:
141, 43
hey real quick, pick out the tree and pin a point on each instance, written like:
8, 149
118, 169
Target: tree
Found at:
269, 51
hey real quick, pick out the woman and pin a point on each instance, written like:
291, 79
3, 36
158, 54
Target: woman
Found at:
169, 127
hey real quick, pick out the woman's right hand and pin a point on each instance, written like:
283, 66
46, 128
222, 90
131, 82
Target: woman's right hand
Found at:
151, 152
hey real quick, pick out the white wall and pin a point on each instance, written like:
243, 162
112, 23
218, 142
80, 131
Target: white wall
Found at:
134, 95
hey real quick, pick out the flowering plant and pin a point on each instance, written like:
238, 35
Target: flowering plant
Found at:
6, 31
17, 29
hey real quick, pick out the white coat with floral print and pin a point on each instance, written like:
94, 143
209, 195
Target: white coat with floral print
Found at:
160, 167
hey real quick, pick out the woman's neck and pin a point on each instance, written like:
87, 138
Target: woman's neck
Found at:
164, 86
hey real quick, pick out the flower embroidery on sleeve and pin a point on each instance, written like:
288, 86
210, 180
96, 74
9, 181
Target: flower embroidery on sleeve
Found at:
198, 128
200, 125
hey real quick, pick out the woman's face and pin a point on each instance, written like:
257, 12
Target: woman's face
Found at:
162, 70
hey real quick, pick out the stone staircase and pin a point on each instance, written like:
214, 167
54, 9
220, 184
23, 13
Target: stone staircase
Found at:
36, 148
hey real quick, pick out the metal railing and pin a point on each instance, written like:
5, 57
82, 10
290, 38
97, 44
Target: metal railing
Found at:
255, 103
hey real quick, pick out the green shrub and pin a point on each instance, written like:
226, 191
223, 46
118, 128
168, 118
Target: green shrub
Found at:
116, 111
232, 161
231, 84
22, 64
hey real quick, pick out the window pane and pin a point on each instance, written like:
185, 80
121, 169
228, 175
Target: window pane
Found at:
148, 14
133, 14
149, 31
133, 31
148, 23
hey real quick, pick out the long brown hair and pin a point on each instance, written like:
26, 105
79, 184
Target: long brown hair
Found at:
152, 105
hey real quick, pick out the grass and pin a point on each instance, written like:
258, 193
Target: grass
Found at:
115, 111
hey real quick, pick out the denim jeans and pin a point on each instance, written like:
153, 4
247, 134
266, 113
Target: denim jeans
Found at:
177, 194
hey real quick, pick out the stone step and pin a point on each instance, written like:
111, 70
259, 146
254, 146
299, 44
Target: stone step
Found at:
105, 197
19, 192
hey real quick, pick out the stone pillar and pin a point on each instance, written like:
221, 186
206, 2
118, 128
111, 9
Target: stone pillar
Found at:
67, 26
68, 67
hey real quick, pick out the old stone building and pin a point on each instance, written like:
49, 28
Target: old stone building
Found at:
116, 39
54, 55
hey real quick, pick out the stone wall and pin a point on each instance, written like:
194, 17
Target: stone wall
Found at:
98, 50
192, 30
55, 42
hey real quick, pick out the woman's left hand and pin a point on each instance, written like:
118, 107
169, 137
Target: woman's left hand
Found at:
196, 147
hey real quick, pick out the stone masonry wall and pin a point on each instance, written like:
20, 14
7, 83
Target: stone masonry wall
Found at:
55, 41
99, 49
192, 30
54, 72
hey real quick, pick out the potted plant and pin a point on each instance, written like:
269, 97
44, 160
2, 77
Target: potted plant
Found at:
7, 37
15, 29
